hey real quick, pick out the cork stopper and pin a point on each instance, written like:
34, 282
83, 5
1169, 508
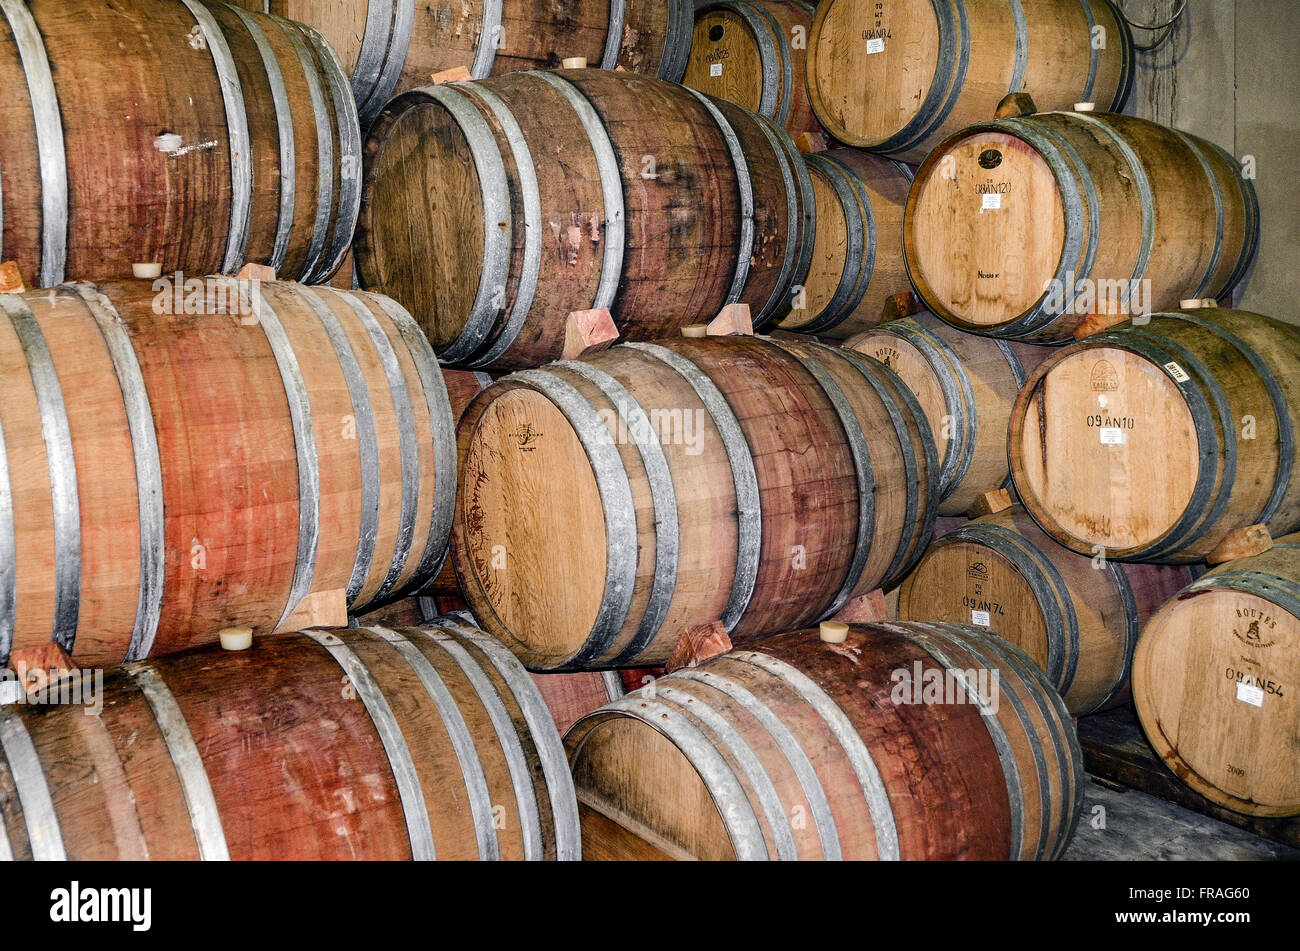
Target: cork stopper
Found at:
147, 270
834, 632
236, 638
574, 62
695, 330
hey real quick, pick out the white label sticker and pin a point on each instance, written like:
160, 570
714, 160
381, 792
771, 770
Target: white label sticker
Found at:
715, 69
1177, 372
1249, 693
876, 45
1112, 436
980, 617
990, 200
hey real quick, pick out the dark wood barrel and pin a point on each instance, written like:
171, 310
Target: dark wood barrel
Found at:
352, 743
753, 52
391, 46
1078, 619
1021, 228
224, 137
1214, 682
613, 502
899, 77
1153, 442
795, 748
572, 190
967, 385
857, 267
175, 460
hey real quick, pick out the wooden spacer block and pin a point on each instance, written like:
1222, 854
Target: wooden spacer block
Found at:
1241, 543
810, 142
318, 609
457, 74
38, 667
1096, 323
11, 279
998, 500
900, 305
732, 319
146, 270
574, 62
588, 331
698, 644
256, 272
864, 609
1015, 104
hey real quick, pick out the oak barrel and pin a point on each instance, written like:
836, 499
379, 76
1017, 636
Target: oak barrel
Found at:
175, 459
753, 52
906, 741
492, 210
899, 77
1023, 227
1214, 680
1153, 442
223, 137
966, 384
391, 46
352, 743
610, 504
1076, 617
857, 270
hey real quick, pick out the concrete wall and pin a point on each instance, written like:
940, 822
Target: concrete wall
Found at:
1230, 72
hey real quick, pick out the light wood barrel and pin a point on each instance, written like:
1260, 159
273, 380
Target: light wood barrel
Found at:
1021, 228
857, 264
753, 52
799, 749
492, 210
613, 502
966, 384
1154, 442
178, 460
1214, 680
1078, 619
899, 77
392, 46
224, 137
353, 743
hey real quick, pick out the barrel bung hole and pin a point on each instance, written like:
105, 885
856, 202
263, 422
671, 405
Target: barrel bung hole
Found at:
715, 32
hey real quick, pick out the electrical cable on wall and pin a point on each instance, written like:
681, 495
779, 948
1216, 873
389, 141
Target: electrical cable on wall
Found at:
1167, 26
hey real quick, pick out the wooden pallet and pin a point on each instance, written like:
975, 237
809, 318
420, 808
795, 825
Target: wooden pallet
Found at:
1115, 751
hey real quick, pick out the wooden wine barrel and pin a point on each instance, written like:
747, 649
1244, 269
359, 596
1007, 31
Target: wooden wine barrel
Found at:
177, 461
857, 259
899, 77
1078, 619
966, 385
1023, 227
1154, 442
223, 137
352, 743
753, 52
391, 47
570, 697
906, 741
494, 209
1214, 681
611, 503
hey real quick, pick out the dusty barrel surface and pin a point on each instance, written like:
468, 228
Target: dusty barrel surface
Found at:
1214, 680
967, 385
179, 460
754, 52
224, 137
857, 267
898, 77
798, 749
613, 502
1021, 228
494, 209
1154, 442
354, 743
1077, 619
391, 46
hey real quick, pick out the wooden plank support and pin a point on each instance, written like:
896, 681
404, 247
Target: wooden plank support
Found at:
810, 142
457, 74
900, 305
1096, 323
38, 667
588, 331
1241, 543
864, 609
318, 609
732, 319
11, 279
997, 500
256, 272
698, 644
1015, 104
